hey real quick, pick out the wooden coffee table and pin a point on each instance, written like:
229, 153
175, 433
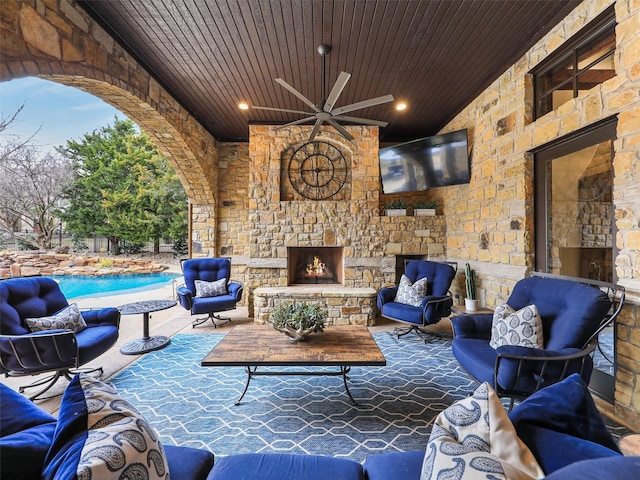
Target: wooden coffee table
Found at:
253, 346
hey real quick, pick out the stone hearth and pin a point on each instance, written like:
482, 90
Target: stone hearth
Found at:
345, 306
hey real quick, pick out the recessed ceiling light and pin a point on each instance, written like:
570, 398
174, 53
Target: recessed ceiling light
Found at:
401, 106
243, 106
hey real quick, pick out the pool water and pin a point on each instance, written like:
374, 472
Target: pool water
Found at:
74, 286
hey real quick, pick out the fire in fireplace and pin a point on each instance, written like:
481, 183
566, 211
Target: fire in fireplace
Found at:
315, 265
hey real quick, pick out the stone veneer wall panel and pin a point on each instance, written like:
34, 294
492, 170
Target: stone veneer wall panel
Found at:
490, 222
355, 223
58, 41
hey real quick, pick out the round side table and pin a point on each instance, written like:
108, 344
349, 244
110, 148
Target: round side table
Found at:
147, 343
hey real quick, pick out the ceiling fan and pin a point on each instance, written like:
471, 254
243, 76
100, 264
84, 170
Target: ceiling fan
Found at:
324, 111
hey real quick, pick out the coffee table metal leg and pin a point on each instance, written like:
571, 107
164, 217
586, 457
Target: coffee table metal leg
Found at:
345, 370
250, 373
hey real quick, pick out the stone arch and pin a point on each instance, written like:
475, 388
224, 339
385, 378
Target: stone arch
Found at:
58, 41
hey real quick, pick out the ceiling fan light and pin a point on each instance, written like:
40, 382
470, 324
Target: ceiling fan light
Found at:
243, 106
400, 106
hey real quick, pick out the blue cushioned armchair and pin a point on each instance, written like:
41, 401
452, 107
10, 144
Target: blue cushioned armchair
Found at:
59, 351
573, 312
433, 306
208, 270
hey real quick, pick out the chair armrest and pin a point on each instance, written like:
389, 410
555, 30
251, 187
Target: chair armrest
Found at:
524, 370
39, 351
105, 317
386, 295
472, 326
434, 307
185, 297
235, 289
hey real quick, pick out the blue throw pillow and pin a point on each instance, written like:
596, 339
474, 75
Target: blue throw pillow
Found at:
565, 407
101, 435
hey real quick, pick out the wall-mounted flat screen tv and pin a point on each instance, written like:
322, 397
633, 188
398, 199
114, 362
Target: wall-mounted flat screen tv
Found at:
425, 163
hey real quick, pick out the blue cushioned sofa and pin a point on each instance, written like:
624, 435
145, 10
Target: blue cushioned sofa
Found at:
560, 424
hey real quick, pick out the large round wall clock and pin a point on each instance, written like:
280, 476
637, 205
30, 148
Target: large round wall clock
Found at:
318, 170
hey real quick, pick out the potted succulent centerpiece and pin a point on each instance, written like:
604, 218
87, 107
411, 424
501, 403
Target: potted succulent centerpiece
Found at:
396, 208
298, 320
471, 300
423, 208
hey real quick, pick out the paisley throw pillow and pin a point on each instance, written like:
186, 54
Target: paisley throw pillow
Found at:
69, 318
101, 435
411, 294
522, 328
211, 289
474, 439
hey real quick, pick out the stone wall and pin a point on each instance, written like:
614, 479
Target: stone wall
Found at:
261, 215
490, 222
25, 264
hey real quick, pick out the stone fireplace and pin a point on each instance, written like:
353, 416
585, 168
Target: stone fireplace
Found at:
273, 233
315, 266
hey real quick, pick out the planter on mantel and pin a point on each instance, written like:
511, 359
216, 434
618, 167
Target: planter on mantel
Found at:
396, 212
424, 212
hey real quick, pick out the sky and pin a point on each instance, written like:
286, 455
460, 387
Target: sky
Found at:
61, 113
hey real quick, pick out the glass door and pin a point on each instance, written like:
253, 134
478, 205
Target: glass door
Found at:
575, 225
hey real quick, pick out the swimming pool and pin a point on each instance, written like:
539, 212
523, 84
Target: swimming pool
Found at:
74, 286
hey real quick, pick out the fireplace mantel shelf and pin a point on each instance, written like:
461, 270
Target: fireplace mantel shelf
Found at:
304, 291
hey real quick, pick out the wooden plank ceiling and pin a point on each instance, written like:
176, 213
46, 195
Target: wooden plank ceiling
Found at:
435, 55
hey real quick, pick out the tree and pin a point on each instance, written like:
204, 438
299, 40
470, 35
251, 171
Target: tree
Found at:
123, 188
31, 188
10, 147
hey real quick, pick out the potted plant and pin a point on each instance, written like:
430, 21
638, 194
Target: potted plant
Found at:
298, 320
396, 208
423, 208
471, 300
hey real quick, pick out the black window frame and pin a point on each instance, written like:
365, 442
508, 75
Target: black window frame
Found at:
603, 24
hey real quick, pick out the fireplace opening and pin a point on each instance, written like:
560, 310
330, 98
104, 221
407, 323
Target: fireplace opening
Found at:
315, 265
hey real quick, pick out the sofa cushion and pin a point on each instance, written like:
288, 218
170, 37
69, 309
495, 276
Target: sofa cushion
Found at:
411, 294
69, 318
280, 466
26, 432
522, 328
100, 435
186, 463
473, 438
611, 468
396, 466
211, 289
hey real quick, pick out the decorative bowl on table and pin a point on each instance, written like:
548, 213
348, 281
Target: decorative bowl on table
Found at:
298, 320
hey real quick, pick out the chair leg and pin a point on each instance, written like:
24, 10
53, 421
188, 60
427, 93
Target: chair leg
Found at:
51, 380
424, 335
213, 317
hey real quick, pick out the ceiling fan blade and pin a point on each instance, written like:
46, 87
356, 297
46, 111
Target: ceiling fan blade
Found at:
364, 104
340, 129
286, 110
362, 121
341, 82
298, 94
316, 129
297, 122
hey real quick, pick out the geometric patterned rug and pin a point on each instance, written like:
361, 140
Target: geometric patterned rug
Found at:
194, 406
